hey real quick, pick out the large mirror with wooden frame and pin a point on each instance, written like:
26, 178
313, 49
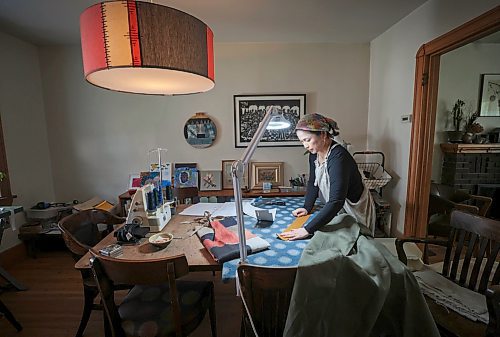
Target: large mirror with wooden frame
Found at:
424, 113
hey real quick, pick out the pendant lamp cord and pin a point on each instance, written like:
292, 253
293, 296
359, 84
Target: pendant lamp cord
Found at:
238, 284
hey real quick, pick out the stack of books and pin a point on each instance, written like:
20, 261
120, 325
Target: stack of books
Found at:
112, 250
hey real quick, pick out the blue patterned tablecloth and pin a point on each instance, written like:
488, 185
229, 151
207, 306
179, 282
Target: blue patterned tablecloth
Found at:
280, 253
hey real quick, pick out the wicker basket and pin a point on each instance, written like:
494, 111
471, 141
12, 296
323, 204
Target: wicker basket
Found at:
374, 175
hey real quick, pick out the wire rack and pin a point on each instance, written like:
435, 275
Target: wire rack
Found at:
373, 174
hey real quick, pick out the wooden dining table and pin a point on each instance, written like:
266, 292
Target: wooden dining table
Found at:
198, 258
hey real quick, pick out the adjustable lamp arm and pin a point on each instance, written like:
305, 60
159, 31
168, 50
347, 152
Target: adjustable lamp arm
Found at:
237, 170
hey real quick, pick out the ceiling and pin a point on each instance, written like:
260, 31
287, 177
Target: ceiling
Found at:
56, 22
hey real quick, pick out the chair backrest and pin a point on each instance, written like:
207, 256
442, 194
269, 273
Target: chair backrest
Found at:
109, 272
449, 193
267, 292
80, 230
444, 199
471, 236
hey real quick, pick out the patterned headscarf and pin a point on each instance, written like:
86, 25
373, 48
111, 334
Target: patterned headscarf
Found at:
317, 122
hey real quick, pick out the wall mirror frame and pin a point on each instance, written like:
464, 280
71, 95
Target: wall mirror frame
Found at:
424, 113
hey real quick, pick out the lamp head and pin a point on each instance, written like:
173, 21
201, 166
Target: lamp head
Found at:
278, 121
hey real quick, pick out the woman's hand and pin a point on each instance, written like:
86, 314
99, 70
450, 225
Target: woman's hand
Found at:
295, 234
299, 212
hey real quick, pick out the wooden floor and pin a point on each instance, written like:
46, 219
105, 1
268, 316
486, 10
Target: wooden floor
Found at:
53, 304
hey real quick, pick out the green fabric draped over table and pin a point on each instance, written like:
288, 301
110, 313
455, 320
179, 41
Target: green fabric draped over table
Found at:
348, 285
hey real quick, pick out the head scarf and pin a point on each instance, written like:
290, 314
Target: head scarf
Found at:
317, 122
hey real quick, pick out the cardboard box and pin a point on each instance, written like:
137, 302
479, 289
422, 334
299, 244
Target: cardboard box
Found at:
94, 203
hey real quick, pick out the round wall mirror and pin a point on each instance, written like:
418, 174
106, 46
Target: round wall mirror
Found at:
200, 131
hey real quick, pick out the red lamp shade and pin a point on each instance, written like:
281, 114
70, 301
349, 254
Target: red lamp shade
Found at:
141, 47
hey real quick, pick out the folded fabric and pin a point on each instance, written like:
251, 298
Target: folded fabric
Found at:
459, 299
221, 240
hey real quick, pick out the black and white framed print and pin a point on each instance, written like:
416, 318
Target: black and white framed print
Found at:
489, 95
249, 110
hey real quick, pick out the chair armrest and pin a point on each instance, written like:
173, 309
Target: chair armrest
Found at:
400, 242
486, 203
467, 208
493, 303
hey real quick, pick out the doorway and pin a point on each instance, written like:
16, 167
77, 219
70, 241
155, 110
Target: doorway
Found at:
424, 113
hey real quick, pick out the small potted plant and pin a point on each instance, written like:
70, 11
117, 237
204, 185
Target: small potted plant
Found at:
472, 128
457, 115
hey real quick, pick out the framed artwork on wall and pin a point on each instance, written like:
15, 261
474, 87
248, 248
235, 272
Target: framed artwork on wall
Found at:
134, 181
210, 180
227, 179
166, 172
269, 172
489, 95
250, 109
185, 177
200, 131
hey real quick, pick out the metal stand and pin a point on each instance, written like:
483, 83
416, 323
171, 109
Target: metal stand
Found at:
3, 273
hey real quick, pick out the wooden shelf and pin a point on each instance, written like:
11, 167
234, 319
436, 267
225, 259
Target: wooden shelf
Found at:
254, 193
470, 148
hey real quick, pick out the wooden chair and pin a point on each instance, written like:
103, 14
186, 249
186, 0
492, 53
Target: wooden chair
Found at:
158, 305
479, 232
80, 233
267, 292
444, 199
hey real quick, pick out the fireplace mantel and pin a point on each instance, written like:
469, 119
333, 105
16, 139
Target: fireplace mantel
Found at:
470, 148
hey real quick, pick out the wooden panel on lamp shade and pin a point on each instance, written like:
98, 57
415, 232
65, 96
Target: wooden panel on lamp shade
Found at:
172, 39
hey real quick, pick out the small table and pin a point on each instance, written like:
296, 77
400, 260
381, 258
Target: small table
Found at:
198, 258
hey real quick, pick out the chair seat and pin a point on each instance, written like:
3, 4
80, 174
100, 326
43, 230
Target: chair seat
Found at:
454, 322
146, 310
439, 225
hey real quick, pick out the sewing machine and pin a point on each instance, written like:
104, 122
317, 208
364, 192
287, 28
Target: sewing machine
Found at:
148, 209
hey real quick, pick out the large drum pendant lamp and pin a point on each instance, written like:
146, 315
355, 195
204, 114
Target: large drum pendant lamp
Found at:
146, 48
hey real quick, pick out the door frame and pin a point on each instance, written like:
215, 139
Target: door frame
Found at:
424, 114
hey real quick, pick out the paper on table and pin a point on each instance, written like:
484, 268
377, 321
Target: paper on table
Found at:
215, 209
200, 208
224, 209
250, 210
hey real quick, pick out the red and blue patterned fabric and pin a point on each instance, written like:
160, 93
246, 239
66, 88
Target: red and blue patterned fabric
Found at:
221, 240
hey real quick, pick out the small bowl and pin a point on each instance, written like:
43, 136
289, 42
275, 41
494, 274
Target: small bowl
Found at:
161, 240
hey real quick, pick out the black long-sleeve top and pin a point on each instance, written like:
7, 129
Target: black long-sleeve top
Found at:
345, 182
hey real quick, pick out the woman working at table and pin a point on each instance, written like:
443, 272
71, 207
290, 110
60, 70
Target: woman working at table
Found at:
333, 177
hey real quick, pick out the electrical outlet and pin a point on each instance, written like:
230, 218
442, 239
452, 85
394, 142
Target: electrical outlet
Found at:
406, 118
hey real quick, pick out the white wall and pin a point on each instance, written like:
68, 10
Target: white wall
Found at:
98, 137
392, 71
459, 78
24, 127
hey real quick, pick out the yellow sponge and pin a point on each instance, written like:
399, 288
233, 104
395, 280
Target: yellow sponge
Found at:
299, 222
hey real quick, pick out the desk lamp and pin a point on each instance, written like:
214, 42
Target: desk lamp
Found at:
272, 121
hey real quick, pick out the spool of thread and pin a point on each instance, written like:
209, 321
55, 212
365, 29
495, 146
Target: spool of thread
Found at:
168, 193
160, 196
151, 207
155, 196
